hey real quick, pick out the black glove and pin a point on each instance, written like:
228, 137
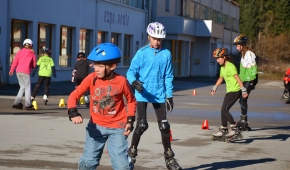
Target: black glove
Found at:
138, 85
53, 71
130, 120
169, 104
73, 112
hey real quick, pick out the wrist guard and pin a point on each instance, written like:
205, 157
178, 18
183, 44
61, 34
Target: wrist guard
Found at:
131, 120
138, 85
244, 90
169, 104
214, 88
73, 112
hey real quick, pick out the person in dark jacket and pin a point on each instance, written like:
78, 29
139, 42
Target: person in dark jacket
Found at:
81, 70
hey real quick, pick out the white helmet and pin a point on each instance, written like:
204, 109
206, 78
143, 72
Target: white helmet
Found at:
27, 42
156, 30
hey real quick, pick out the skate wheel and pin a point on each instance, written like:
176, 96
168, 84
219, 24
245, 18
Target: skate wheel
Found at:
240, 136
227, 140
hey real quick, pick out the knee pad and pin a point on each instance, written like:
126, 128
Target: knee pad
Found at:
141, 126
164, 128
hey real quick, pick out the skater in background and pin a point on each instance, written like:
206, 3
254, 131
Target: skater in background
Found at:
110, 119
151, 75
248, 73
46, 69
24, 62
81, 70
234, 90
286, 81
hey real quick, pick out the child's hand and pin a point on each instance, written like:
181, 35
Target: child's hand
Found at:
245, 95
213, 90
127, 130
286, 81
77, 120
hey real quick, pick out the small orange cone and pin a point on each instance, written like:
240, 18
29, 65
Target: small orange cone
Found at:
193, 92
170, 135
205, 125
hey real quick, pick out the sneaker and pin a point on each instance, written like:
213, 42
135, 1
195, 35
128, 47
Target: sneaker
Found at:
44, 97
284, 96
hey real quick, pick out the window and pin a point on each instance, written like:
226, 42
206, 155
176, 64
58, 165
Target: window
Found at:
203, 12
84, 41
226, 21
126, 51
65, 47
197, 11
167, 5
102, 37
44, 37
115, 39
19, 32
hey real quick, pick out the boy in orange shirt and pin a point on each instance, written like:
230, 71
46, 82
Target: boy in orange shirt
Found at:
110, 120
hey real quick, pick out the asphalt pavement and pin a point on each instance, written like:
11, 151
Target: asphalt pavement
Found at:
46, 139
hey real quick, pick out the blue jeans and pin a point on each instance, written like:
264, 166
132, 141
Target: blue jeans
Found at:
96, 137
25, 87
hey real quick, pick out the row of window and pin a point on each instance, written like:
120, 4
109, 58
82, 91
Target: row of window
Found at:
133, 3
195, 10
19, 32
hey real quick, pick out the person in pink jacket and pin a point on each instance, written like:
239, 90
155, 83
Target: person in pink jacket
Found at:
24, 62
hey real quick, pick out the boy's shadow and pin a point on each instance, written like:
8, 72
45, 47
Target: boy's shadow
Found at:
231, 164
273, 128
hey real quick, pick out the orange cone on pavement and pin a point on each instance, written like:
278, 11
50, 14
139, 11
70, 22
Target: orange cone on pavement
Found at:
205, 125
193, 92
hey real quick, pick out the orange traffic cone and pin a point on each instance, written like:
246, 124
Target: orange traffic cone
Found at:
170, 135
193, 92
205, 125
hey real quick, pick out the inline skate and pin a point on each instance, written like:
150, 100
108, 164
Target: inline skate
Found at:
170, 162
45, 99
132, 153
243, 124
234, 133
220, 135
18, 106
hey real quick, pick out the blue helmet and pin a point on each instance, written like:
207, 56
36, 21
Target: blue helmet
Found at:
105, 53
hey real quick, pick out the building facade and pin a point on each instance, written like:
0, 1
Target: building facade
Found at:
194, 29
68, 27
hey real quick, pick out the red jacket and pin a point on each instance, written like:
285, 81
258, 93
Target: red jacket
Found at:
107, 106
287, 75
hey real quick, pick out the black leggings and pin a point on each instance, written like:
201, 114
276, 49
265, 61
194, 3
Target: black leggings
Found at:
229, 100
78, 81
40, 81
287, 88
249, 85
160, 112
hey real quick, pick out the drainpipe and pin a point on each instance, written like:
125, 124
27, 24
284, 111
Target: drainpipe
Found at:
149, 11
146, 18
